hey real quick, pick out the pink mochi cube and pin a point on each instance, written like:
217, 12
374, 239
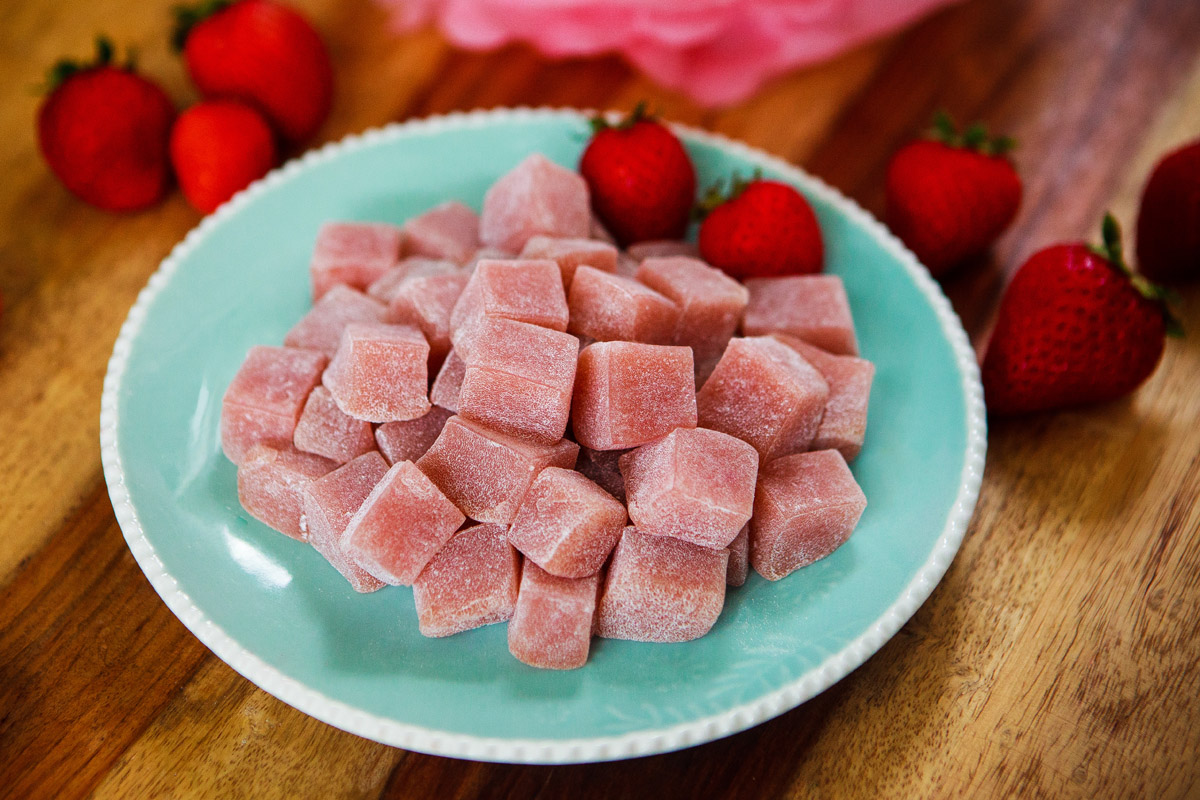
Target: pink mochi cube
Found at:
410, 439
426, 303
566, 524
353, 253
522, 290
487, 254
810, 307
380, 373
471, 582
844, 424
330, 502
448, 384
739, 558
271, 485
401, 524
607, 307
324, 430
266, 397
412, 267
693, 484
806, 506
764, 393
321, 328
661, 589
664, 248
449, 231
628, 393
486, 473
570, 254
710, 303
600, 466
386, 284
518, 380
551, 626
536, 197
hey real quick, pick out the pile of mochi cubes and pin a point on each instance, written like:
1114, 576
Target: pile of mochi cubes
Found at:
560, 471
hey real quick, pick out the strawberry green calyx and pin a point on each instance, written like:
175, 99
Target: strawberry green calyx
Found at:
1112, 250
188, 17
974, 138
716, 195
64, 69
640, 113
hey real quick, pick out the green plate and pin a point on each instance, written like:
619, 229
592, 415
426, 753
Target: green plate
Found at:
277, 613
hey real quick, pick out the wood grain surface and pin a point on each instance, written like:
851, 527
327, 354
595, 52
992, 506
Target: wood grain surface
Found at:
1060, 656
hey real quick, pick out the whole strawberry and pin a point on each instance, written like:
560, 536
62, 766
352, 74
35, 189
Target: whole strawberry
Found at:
1168, 233
1075, 326
103, 130
760, 229
949, 197
641, 180
260, 52
219, 147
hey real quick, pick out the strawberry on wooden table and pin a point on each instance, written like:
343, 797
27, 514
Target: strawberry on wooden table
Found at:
103, 130
1168, 234
950, 196
641, 180
219, 147
1075, 326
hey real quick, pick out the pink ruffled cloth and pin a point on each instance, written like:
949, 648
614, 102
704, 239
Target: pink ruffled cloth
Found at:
716, 51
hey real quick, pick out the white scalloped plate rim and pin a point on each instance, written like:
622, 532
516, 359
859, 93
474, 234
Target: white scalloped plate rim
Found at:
544, 751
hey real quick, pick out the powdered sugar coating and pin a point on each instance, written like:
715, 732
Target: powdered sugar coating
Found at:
570, 254
355, 254
329, 503
535, 197
471, 582
426, 303
380, 372
739, 558
321, 328
663, 248
523, 290
449, 231
271, 483
325, 430
266, 397
408, 440
567, 524
810, 307
844, 423
551, 627
607, 307
448, 384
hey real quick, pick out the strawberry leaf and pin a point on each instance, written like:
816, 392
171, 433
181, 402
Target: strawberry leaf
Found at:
65, 68
188, 17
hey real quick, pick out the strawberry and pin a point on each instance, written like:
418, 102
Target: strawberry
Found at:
103, 130
262, 53
951, 196
1168, 233
641, 180
219, 147
1075, 326
760, 229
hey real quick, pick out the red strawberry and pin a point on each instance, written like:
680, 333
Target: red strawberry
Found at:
1075, 326
641, 180
103, 131
262, 53
763, 228
950, 197
1168, 234
219, 147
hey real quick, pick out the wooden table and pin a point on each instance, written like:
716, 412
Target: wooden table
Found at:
1057, 658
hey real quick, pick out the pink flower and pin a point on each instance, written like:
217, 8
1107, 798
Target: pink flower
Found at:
716, 51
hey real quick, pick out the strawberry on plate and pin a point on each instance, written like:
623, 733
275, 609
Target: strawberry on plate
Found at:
219, 147
262, 53
1168, 225
641, 180
103, 130
1075, 326
950, 196
760, 229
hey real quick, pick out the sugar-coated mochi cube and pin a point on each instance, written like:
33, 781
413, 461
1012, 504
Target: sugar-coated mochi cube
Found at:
321, 328
410, 268
523, 290
426, 303
661, 589
271, 485
806, 506
628, 393
810, 307
626, 265
536, 197
567, 524
601, 467
598, 232
353, 253
383, 287
325, 430
663, 248
410, 439
693, 484
607, 307
380, 373
266, 397
518, 380
844, 424
450, 231
551, 627
448, 383
330, 502
487, 254
471, 582
486, 473
739, 558
764, 393
571, 254
710, 303
402, 523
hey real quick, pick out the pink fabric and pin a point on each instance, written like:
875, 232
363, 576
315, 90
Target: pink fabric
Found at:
716, 51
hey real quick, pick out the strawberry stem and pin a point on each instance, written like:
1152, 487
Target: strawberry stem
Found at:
65, 68
1112, 250
639, 114
974, 138
188, 17
715, 195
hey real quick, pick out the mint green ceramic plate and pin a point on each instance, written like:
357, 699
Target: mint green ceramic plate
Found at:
278, 614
